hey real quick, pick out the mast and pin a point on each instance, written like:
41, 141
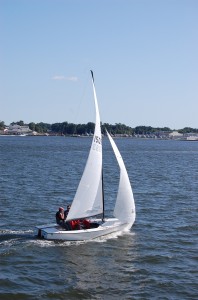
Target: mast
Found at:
102, 196
92, 75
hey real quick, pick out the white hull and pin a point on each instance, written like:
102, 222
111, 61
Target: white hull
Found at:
54, 232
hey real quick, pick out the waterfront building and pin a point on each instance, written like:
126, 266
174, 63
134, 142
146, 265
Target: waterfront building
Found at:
18, 130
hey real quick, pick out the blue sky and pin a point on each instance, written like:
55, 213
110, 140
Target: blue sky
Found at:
143, 54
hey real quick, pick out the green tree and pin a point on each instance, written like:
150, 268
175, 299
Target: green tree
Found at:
2, 125
63, 128
21, 123
90, 127
56, 127
188, 130
80, 129
32, 126
42, 127
71, 128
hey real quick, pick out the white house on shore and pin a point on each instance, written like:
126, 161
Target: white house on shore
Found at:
18, 130
175, 135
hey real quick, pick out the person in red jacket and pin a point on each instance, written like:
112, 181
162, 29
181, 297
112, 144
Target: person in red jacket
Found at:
80, 224
75, 224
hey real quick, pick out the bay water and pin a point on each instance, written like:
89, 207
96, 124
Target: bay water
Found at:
157, 259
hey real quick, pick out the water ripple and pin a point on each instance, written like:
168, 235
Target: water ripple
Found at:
156, 260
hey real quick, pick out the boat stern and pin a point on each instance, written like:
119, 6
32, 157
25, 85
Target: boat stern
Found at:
42, 230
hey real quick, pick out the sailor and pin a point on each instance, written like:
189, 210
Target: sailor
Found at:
60, 216
66, 211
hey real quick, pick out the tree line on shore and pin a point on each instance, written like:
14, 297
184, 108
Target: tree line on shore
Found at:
66, 128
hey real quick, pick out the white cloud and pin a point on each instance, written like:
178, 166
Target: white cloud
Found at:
60, 77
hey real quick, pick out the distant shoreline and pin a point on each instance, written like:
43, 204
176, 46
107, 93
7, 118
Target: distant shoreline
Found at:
141, 137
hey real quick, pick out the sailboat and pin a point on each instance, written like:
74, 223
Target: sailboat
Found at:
88, 202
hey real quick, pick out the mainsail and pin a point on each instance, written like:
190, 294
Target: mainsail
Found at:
125, 204
88, 199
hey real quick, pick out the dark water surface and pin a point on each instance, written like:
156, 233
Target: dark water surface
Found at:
158, 259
